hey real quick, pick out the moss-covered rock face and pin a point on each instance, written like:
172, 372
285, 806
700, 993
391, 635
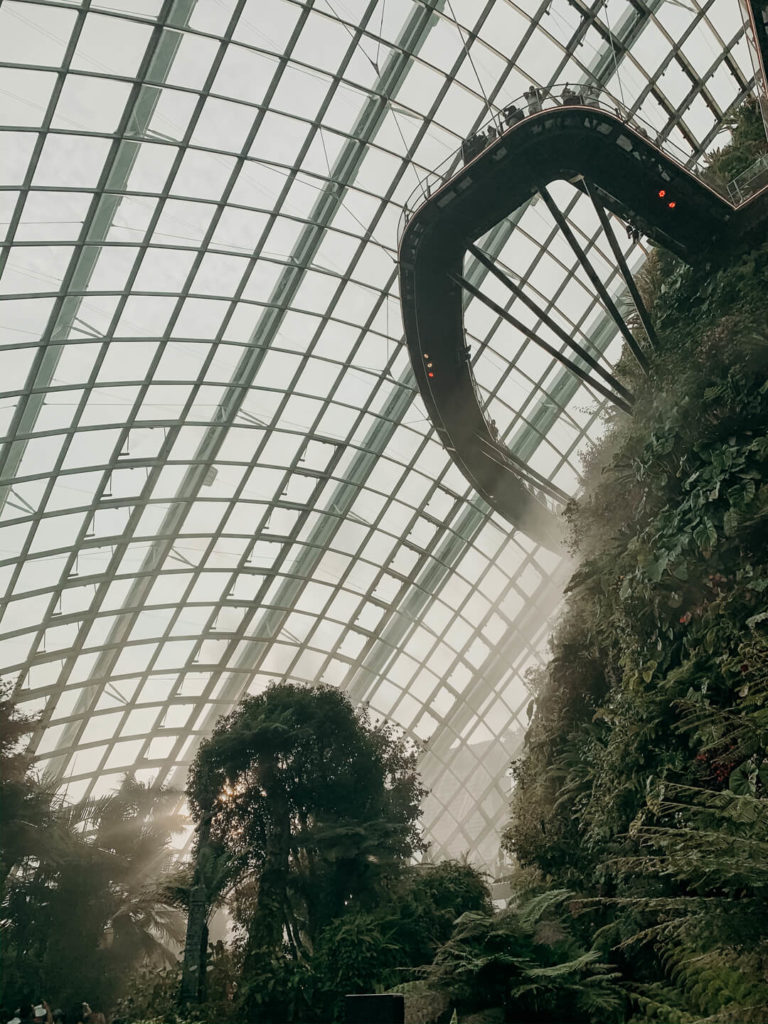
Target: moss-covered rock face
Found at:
645, 769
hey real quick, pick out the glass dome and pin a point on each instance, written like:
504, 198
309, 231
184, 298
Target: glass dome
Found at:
216, 469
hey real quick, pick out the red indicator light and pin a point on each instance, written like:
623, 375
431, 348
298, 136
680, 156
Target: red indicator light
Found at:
672, 205
662, 193
430, 374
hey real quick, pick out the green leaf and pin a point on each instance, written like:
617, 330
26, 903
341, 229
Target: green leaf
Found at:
740, 495
742, 779
705, 535
730, 522
655, 567
648, 671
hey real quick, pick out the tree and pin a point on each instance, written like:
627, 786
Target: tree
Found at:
79, 916
315, 806
367, 951
134, 827
26, 802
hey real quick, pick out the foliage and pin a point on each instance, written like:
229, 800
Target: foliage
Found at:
527, 960
152, 995
376, 950
711, 930
423, 1003
657, 680
747, 128
311, 799
26, 803
368, 950
317, 810
75, 922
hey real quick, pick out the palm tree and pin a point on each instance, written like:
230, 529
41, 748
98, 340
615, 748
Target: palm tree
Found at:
27, 802
81, 915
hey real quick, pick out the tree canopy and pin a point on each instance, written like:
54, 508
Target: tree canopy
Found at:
84, 908
315, 806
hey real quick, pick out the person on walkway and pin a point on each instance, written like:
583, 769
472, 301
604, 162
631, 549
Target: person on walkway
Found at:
512, 115
533, 96
472, 146
591, 95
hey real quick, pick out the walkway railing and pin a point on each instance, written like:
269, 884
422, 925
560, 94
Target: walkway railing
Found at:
750, 181
538, 99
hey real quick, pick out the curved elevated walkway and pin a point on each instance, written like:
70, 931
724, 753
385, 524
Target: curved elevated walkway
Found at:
597, 150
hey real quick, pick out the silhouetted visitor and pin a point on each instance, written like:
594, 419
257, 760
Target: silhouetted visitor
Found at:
569, 97
31, 1013
472, 146
25, 1013
534, 100
591, 96
494, 430
92, 1016
491, 134
512, 115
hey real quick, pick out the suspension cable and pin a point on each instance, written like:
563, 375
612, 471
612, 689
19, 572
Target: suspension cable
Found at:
465, 44
613, 51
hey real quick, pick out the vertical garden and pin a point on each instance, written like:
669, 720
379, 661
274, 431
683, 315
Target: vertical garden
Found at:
643, 785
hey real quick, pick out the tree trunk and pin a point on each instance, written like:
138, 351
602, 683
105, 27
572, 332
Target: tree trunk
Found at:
192, 979
196, 942
266, 928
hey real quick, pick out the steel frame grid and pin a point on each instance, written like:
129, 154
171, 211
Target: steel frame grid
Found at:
452, 526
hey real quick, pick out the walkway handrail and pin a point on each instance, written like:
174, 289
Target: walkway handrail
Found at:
744, 185
537, 100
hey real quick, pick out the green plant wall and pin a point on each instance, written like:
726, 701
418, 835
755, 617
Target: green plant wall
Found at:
644, 779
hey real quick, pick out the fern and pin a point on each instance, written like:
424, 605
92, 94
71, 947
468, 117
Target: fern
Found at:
710, 939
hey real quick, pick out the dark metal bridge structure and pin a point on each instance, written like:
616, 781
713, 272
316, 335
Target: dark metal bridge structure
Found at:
588, 139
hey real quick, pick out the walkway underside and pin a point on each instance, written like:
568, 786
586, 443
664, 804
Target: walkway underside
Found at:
622, 171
